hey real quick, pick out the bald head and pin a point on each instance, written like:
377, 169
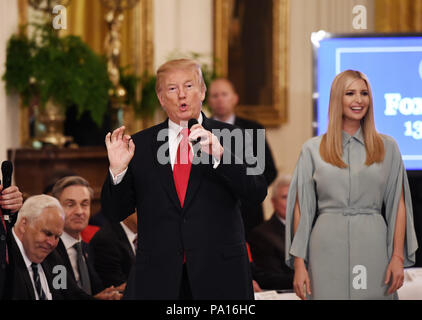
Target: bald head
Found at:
222, 98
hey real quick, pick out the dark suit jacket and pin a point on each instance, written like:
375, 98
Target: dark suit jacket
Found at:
111, 254
208, 228
96, 283
4, 267
19, 285
253, 215
267, 246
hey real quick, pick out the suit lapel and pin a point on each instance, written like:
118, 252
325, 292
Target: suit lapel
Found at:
20, 265
61, 249
164, 170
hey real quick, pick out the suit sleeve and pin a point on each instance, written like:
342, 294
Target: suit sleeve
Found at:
270, 172
118, 201
243, 174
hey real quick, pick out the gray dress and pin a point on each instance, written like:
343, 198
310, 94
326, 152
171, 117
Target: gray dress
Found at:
349, 245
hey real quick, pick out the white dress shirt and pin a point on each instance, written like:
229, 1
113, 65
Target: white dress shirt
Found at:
130, 235
230, 120
43, 279
69, 242
174, 139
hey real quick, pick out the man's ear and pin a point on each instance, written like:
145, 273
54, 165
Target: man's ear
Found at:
235, 99
203, 92
23, 225
160, 98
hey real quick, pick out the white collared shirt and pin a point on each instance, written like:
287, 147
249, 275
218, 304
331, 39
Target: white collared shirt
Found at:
69, 242
283, 221
130, 235
230, 120
28, 263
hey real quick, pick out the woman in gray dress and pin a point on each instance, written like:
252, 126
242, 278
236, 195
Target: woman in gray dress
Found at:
337, 240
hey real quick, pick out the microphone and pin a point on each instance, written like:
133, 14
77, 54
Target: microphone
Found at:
191, 123
6, 170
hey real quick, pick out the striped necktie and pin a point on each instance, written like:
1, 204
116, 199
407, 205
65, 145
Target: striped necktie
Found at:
37, 282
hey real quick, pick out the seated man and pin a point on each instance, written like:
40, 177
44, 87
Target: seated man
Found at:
75, 194
113, 249
34, 237
267, 240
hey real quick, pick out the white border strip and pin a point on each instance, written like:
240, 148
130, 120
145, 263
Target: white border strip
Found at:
412, 157
339, 51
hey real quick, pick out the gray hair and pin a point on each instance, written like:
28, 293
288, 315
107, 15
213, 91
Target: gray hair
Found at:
34, 206
283, 181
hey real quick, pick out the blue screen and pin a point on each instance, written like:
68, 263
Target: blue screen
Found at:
394, 68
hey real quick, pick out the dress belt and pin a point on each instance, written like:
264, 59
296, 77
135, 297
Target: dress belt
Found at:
350, 211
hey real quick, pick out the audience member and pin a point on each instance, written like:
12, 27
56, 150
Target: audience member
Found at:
223, 99
34, 237
112, 250
75, 194
267, 240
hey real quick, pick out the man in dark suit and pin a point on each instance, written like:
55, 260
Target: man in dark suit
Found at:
10, 199
112, 250
223, 99
191, 240
75, 194
267, 241
31, 243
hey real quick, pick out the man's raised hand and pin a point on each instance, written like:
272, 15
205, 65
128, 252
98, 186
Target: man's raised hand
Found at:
120, 150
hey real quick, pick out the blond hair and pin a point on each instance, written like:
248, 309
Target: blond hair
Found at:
179, 64
331, 148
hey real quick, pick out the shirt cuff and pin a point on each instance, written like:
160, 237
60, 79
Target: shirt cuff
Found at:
117, 179
216, 162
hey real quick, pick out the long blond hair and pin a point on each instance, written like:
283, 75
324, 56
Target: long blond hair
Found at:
331, 148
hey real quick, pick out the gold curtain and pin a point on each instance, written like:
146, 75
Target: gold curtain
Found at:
398, 15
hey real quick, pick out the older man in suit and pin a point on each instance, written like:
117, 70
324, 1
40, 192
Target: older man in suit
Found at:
267, 241
31, 243
191, 236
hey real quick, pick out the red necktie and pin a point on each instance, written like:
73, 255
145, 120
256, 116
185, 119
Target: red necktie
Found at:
181, 169
5, 231
182, 166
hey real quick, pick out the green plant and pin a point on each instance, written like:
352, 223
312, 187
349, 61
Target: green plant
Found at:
148, 103
64, 69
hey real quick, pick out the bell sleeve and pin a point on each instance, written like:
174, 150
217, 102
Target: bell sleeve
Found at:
396, 181
302, 186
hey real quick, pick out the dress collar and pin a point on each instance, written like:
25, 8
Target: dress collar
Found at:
357, 136
177, 128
